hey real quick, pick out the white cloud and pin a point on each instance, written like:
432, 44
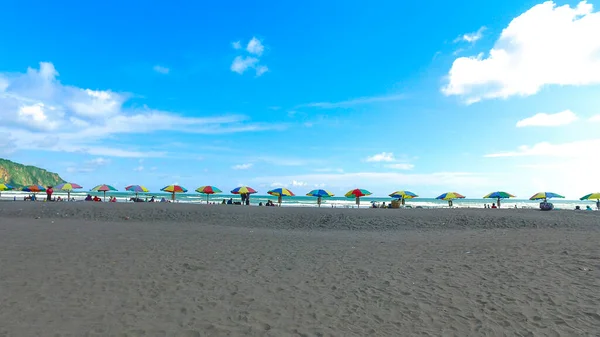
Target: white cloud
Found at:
579, 149
139, 169
296, 183
161, 70
400, 166
546, 45
241, 64
99, 161
353, 102
255, 47
242, 166
471, 37
45, 114
595, 118
544, 119
382, 157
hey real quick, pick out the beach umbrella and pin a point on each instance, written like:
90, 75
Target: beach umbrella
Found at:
103, 188
281, 192
67, 187
450, 196
403, 195
243, 191
137, 189
357, 193
319, 194
545, 196
34, 188
5, 187
208, 190
498, 195
174, 189
591, 196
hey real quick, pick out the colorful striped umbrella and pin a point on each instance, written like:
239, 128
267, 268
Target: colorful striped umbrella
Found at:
357, 193
208, 190
545, 196
450, 196
34, 188
403, 195
319, 194
174, 189
4, 187
68, 187
498, 195
243, 190
137, 189
103, 188
281, 192
591, 196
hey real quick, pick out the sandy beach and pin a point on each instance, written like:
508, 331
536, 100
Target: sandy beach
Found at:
96, 269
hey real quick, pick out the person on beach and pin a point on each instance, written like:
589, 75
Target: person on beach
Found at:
247, 199
598, 205
49, 192
494, 206
88, 197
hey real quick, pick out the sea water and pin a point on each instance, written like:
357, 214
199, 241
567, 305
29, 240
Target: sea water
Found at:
305, 201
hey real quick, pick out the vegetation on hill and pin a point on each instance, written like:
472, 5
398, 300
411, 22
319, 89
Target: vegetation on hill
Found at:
16, 174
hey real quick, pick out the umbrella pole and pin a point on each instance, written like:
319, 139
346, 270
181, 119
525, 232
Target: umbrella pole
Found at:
68, 195
279, 200
173, 197
319, 201
105, 196
207, 198
498, 202
357, 202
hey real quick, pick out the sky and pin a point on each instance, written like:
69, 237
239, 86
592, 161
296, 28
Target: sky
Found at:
471, 97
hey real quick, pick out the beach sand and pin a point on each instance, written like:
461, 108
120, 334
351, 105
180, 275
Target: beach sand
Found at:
96, 269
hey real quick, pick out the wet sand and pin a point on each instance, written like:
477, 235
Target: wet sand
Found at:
88, 269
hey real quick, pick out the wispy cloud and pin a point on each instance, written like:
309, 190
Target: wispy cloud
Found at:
595, 118
471, 37
99, 161
400, 166
36, 108
352, 102
579, 149
161, 70
139, 168
544, 119
381, 157
242, 166
242, 63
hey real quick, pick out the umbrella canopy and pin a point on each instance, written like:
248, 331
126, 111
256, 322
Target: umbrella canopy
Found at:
68, 187
281, 192
499, 195
545, 195
174, 189
34, 188
403, 195
591, 196
137, 189
5, 187
103, 188
357, 193
450, 196
208, 190
243, 190
319, 193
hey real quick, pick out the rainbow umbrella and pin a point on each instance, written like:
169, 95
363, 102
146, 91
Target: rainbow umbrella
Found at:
499, 195
174, 189
208, 190
591, 196
319, 194
450, 196
357, 193
281, 192
545, 196
243, 190
68, 187
403, 195
34, 188
103, 188
137, 189
4, 187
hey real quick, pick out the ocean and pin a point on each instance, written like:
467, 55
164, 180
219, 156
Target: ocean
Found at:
304, 201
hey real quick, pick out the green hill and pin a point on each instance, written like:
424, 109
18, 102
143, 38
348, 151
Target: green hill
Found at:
21, 175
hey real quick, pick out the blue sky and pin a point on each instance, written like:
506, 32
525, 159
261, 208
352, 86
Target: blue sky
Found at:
453, 97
